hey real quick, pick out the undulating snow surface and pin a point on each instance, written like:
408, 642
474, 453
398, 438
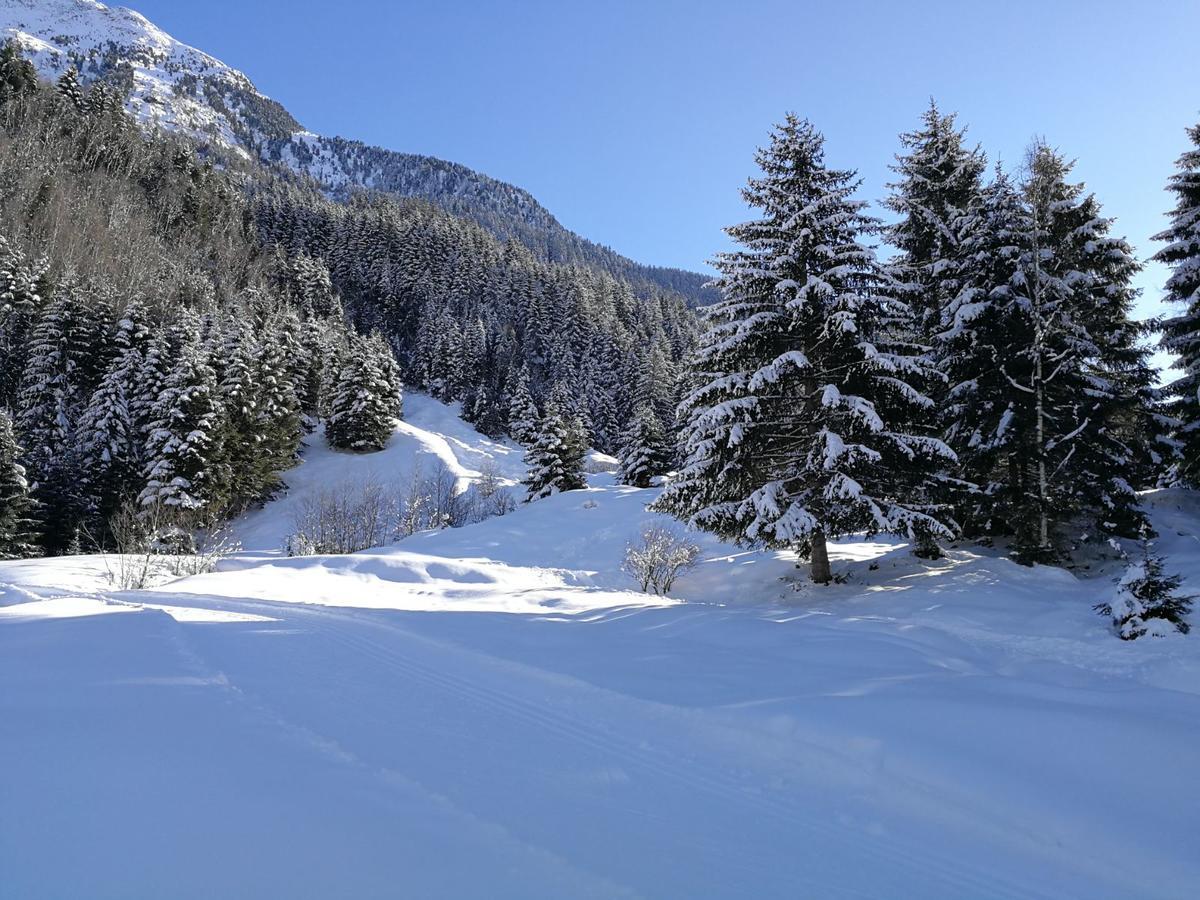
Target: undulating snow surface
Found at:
493, 712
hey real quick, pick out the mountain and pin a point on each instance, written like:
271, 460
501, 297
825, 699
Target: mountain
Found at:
171, 85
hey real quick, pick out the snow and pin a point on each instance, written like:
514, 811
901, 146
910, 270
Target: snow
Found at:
431, 433
56, 34
494, 711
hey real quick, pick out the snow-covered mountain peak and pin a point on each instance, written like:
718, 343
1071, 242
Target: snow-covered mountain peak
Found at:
171, 85
167, 82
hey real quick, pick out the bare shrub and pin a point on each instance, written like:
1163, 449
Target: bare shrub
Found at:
343, 518
492, 498
354, 516
659, 556
156, 543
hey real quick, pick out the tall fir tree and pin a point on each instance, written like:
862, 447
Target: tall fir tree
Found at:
555, 459
939, 179
787, 439
187, 470
1181, 333
522, 411
1051, 394
16, 505
64, 353
644, 450
366, 398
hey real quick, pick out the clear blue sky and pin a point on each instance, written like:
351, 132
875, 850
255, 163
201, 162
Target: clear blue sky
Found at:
635, 123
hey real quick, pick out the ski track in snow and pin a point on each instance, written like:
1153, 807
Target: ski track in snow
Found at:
492, 711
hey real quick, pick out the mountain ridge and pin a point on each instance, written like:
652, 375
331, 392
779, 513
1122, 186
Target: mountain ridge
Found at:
169, 84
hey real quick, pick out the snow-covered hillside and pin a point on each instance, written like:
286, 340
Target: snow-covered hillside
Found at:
493, 711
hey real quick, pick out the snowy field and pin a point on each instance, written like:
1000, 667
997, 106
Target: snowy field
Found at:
493, 711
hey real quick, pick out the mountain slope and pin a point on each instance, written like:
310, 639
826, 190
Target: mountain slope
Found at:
172, 85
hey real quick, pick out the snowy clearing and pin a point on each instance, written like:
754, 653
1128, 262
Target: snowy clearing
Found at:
493, 711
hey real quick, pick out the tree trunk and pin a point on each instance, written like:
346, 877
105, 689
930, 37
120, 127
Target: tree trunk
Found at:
821, 572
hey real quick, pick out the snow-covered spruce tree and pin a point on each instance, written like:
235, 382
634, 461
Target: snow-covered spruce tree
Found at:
1181, 334
644, 451
110, 447
788, 438
16, 524
1050, 406
366, 398
63, 356
939, 178
522, 411
68, 87
1148, 601
21, 285
186, 461
17, 74
939, 181
555, 459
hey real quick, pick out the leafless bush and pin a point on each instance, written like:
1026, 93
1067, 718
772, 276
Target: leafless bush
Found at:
155, 543
353, 516
659, 557
343, 518
491, 497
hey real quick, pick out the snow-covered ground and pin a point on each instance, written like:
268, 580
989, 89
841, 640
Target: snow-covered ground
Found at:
492, 711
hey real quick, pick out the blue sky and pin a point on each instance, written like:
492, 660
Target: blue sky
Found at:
635, 123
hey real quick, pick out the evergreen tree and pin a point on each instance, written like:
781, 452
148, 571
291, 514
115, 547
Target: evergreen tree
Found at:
20, 301
939, 180
1181, 334
110, 446
18, 77
787, 439
1148, 601
1051, 391
68, 87
366, 400
555, 459
644, 452
63, 353
522, 412
16, 504
186, 464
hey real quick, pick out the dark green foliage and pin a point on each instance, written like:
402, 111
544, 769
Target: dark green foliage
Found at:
17, 74
644, 449
366, 398
555, 458
790, 433
16, 504
1181, 333
1051, 407
1148, 601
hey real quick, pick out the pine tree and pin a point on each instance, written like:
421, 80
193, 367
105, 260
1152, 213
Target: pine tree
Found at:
16, 504
788, 438
110, 446
1148, 601
1051, 392
20, 301
1181, 334
65, 350
366, 399
186, 464
939, 180
522, 412
644, 452
17, 74
68, 87
555, 459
